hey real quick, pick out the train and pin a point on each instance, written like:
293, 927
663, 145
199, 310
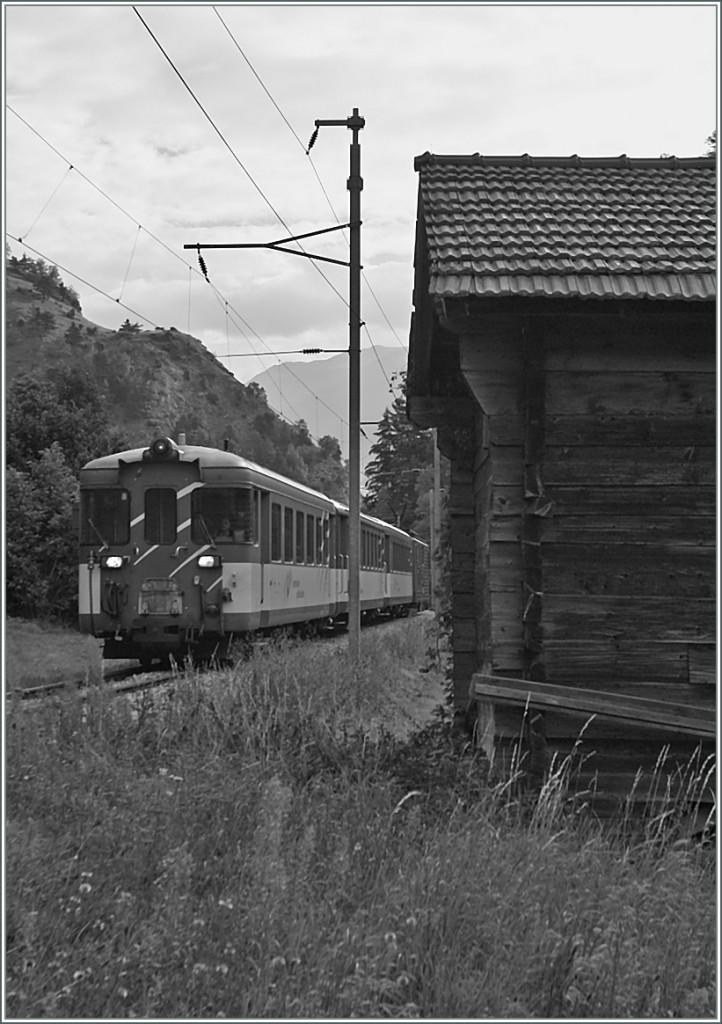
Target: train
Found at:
185, 550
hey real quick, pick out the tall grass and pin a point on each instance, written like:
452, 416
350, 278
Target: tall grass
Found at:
259, 845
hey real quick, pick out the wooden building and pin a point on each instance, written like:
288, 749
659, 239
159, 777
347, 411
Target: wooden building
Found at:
563, 343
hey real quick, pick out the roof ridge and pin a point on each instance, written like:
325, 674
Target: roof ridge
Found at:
525, 160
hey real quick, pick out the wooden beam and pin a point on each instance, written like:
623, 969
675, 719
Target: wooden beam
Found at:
682, 718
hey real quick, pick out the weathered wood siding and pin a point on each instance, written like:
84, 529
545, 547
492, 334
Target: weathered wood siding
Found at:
629, 545
596, 514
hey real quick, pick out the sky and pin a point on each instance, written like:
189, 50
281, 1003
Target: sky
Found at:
132, 131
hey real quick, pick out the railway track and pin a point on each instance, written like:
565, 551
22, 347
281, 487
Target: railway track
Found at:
121, 680
131, 679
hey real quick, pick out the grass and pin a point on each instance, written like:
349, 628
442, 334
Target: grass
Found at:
258, 845
37, 653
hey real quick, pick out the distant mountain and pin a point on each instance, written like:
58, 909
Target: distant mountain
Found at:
291, 386
154, 382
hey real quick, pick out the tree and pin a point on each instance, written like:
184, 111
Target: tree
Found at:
41, 558
54, 425
64, 406
711, 142
400, 455
326, 470
128, 328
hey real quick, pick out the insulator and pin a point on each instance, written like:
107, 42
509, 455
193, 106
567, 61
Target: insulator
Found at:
310, 351
202, 264
311, 141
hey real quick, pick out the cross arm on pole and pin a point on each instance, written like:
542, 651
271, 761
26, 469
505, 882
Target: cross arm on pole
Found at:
278, 244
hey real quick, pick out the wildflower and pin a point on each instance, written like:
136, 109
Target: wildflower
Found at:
226, 903
84, 887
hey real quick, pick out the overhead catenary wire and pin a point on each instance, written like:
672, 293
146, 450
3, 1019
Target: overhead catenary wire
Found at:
238, 161
136, 313
230, 149
88, 284
48, 201
172, 252
130, 263
306, 151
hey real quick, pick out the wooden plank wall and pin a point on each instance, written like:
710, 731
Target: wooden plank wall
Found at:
605, 510
629, 549
494, 372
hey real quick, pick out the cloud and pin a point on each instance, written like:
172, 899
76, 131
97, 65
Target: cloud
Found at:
90, 79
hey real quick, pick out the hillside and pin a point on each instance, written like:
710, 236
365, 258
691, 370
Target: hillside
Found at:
155, 382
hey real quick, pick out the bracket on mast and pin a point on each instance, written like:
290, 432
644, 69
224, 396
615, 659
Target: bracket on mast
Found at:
278, 245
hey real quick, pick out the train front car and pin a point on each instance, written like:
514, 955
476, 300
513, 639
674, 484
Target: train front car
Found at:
169, 551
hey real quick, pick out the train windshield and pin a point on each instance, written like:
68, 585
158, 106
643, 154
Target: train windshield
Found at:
225, 515
104, 516
160, 515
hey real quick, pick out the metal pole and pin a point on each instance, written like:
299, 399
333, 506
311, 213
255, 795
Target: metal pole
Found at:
355, 186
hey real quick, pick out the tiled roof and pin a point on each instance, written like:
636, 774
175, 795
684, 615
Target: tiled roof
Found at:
569, 226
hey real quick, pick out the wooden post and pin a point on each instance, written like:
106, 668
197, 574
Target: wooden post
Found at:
532, 564
432, 552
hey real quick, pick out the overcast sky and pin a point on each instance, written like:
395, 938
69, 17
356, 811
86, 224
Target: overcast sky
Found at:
91, 83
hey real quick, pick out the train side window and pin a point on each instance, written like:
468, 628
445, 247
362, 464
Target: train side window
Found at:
300, 537
160, 515
288, 534
275, 532
343, 542
332, 542
311, 539
320, 550
226, 515
104, 516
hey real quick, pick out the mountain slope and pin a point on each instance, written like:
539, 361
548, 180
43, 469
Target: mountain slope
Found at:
289, 388
155, 382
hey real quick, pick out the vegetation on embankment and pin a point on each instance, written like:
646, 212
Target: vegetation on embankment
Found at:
258, 845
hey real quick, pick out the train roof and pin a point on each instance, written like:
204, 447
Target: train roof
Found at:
207, 458
215, 458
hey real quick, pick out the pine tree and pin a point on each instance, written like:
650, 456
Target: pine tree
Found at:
401, 455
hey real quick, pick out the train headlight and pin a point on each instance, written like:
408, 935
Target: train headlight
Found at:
113, 561
162, 449
209, 561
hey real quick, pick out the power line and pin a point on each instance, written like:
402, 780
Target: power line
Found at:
243, 168
323, 189
160, 242
66, 270
47, 203
145, 319
228, 146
